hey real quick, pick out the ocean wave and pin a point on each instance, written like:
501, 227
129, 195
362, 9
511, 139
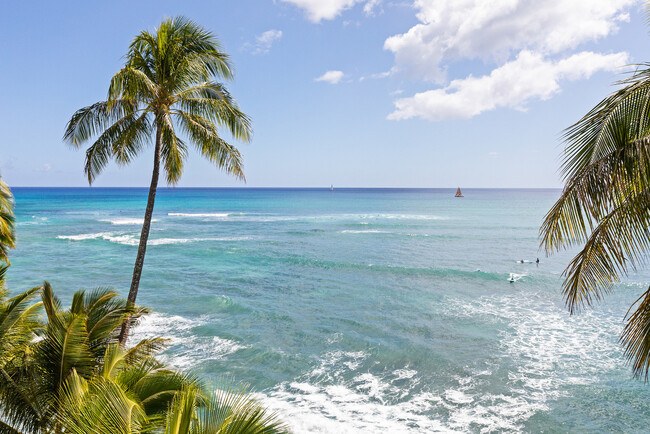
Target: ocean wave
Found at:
368, 231
125, 221
539, 338
186, 348
134, 240
199, 215
514, 277
340, 396
81, 237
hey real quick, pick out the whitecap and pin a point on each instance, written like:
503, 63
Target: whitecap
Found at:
313, 408
125, 221
185, 347
368, 231
134, 240
81, 237
539, 337
326, 400
515, 277
198, 215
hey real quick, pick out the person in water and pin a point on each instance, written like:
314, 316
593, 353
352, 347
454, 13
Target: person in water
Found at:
537, 261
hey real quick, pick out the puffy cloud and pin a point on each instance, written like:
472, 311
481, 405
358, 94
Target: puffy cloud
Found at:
318, 10
331, 77
264, 41
528, 41
511, 85
493, 30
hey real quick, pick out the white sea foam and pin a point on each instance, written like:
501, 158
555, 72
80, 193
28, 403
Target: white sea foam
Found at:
134, 240
513, 277
125, 221
368, 231
539, 337
203, 215
164, 241
81, 237
324, 402
185, 347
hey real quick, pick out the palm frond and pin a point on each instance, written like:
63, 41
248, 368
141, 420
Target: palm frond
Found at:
229, 407
100, 406
7, 221
636, 336
605, 205
93, 120
204, 136
174, 151
181, 412
18, 323
133, 84
213, 102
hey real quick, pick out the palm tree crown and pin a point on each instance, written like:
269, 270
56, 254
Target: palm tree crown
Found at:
167, 86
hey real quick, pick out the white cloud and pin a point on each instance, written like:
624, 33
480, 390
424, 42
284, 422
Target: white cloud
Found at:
44, 168
512, 85
493, 30
527, 41
264, 41
371, 6
331, 77
318, 10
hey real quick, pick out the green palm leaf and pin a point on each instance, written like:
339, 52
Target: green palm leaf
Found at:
7, 235
605, 206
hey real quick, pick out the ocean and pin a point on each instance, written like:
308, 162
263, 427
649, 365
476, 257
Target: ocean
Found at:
353, 310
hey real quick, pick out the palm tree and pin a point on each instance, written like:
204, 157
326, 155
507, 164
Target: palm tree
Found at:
605, 207
80, 342
70, 374
168, 85
100, 406
7, 237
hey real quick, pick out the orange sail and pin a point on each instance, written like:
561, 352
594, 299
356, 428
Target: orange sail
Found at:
458, 193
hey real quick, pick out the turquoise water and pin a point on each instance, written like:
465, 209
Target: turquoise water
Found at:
353, 310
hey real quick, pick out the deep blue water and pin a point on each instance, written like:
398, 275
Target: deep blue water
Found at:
353, 310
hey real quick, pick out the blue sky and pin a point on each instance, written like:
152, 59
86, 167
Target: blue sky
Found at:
355, 93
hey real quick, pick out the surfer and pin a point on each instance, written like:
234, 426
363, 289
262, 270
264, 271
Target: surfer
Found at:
537, 261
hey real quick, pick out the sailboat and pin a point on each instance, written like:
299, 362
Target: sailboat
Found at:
458, 193
332, 187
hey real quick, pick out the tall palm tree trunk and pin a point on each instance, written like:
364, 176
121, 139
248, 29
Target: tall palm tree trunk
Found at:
144, 236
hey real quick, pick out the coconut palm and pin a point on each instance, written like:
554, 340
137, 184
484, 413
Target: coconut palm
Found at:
223, 407
167, 93
7, 238
605, 206
70, 374
100, 406
80, 342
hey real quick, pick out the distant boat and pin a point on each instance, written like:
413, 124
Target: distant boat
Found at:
458, 193
331, 187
